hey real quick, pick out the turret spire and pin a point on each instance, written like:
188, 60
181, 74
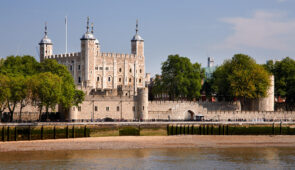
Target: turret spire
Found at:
136, 26
45, 32
87, 25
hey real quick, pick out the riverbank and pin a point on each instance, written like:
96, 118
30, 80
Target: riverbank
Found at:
136, 142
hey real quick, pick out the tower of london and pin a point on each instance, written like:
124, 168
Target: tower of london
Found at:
115, 85
106, 78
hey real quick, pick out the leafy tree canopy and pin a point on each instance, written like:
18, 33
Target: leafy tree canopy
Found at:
24, 82
241, 77
284, 72
180, 78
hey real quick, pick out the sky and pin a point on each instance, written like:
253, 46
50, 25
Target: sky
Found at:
197, 29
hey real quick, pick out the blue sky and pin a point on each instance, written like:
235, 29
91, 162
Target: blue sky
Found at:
263, 29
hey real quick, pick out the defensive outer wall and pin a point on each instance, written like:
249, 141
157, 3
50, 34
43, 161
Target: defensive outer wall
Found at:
166, 110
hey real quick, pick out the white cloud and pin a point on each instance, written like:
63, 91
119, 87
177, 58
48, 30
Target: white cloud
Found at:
266, 30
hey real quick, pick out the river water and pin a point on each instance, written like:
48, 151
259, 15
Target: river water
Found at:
186, 158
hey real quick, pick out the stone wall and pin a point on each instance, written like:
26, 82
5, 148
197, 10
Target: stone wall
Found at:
249, 116
99, 107
221, 106
174, 110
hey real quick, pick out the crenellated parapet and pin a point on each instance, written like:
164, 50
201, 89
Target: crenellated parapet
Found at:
62, 56
119, 55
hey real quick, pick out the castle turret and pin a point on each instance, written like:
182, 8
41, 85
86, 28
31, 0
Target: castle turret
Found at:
143, 103
88, 53
96, 42
137, 43
45, 46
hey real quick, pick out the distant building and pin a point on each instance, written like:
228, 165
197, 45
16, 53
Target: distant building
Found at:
210, 68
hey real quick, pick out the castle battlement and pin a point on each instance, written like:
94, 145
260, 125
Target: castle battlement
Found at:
118, 55
67, 55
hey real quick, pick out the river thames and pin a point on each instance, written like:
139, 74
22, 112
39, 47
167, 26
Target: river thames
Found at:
168, 158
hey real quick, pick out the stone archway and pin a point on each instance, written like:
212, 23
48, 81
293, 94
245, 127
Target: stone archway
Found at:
190, 115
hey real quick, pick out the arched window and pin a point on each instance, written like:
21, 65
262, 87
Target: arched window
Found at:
79, 80
130, 70
120, 70
139, 80
97, 78
130, 80
120, 79
109, 79
140, 71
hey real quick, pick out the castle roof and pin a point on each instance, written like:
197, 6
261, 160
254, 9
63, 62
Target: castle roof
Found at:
88, 36
45, 39
137, 37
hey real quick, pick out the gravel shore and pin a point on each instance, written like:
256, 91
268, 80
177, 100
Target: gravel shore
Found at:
134, 142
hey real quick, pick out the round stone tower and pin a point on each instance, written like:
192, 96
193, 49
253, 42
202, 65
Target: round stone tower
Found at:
143, 103
88, 54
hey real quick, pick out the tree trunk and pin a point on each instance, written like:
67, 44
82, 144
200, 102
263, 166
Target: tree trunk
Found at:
11, 110
46, 113
40, 113
20, 111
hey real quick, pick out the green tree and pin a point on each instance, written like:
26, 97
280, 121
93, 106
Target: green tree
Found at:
270, 66
17, 65
70, 95
22, 75
4, 92
15, 93
284, 72
180, 78
241, 78
46, 91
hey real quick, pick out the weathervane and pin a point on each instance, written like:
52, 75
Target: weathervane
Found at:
87, 24
45, 29
136, 26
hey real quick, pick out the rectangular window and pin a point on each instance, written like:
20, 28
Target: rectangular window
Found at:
107, 68
118, 108
71, 68
79, 108
96, 68
95, 108
100, 68
142, 107
107, 108
133, 108
79, 80
79, 67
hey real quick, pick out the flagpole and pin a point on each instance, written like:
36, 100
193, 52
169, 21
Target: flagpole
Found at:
66, 22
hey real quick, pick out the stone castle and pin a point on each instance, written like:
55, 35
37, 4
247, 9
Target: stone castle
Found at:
116, 85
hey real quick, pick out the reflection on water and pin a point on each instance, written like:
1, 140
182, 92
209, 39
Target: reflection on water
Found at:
194, 158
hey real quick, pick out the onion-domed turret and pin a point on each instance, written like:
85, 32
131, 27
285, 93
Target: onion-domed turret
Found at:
45, 39
96, 41
137, 37
88, 35
137, 43
45, 46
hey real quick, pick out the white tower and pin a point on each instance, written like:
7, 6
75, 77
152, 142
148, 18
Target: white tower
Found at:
45, 46
137, 43
88, 57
